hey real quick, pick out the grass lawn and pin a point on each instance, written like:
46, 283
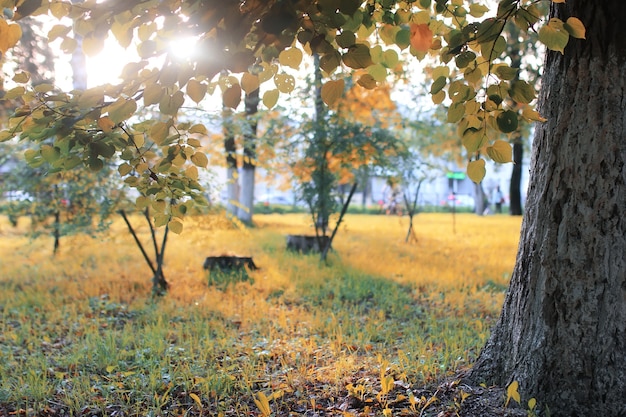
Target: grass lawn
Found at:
365, 335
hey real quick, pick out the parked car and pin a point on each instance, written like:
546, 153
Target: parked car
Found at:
272, 199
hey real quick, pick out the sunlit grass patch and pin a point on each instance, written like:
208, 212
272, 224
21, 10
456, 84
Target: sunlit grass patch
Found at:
80, 333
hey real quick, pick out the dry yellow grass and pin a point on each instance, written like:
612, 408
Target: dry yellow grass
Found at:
424, 307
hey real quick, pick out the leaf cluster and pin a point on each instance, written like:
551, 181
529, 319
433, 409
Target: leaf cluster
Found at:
246, 44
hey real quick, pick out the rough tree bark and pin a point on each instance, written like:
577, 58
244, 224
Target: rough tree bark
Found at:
562, 332
246, 197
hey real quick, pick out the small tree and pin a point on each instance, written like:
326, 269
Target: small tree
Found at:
61, 203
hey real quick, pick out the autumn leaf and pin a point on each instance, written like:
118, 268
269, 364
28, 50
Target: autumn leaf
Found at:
512, 393
575, 27
500, 152
421, 37
270, 98
196, 90
332, 91
476, 170
106, 124
554, 35
232, 96
9, 35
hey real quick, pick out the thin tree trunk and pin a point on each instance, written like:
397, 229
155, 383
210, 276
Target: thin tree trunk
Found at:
232, 183
246, 197
562, 332
479, 199
515, 190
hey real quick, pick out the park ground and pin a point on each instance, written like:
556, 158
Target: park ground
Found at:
384, 328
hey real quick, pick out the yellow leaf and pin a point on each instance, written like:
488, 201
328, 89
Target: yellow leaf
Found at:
192, 173
171, 104
176, 226
332, 91
159, 132
153, 93
121, 110
9, 35
58, 31
249, 82
554, 35
123, 33
92, 45
60, 9
500, 152
532, 403
476, 170
558, 1
196, 399
263, 403
200, 159
421, 37
512, 393
575, 27
291, 57
198, 128
196, 90
285, 83
21, 77
68, 45
270, 98
106, 124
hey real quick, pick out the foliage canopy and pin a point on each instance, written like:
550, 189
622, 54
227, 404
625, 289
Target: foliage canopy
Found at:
256, 44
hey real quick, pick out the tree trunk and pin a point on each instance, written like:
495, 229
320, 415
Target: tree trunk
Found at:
480, 200
246, 197
562, 332
232, 184
515, 190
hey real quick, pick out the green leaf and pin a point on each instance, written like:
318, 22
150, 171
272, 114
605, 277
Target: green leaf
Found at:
522, 92
358, 56
464, 59
575, 27
456, 112
438, 85
346, 39
476, 170
554, 35
507, 121
501, 152
504, 72
50, 153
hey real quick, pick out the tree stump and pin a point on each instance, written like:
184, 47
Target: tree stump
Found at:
306, 243
226, 269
